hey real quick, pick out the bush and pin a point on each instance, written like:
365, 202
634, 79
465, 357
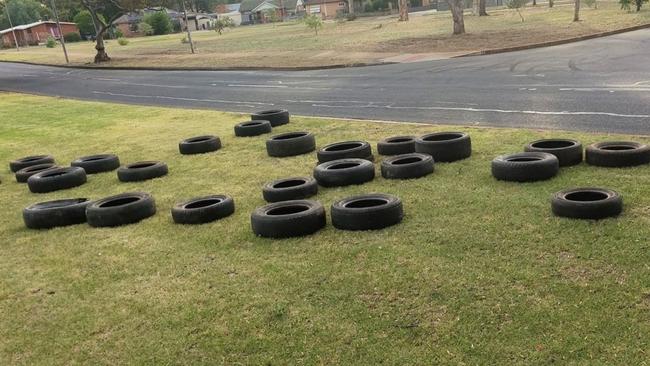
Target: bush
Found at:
351, 17
72, 37
223, 23
118, 33
314, 22
145, 29
160, 22
122, 41
51, 42
184, 40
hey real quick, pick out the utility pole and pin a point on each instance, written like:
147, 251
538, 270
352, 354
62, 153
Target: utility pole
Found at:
13, 31
187, 26
58, 24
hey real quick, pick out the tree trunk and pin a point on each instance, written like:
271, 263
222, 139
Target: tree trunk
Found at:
457, 7
638, 5
101, 55
576, 11
351, 6
481, 8
550, 3
534, 2
403, 10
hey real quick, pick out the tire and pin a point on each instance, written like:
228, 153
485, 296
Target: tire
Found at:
28, 161
199, 145
51, 180
396, 145
202, 210
287, 189
276, 117
367, 212
291, 144
142, 171
94, 164
407, 166
23, 174
617, 154
253, 128
345, 150
288, 219
344, 172
568, 152
121, 209
525, 167
445, 146
587, 203
46, 215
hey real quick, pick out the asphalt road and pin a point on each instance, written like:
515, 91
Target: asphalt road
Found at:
600, 85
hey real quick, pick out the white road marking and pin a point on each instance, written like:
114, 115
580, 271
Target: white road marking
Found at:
105, 79
250, 104
275, 87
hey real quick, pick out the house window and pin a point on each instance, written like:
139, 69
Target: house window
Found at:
342, 4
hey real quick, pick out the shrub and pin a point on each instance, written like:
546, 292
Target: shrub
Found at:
51, 42
351, 17
184, 40
145, 29
160, 22
72, 37
118, 33
314, 22
122, 41
223, 23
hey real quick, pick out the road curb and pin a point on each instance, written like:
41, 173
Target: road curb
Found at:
243, 68
555, 43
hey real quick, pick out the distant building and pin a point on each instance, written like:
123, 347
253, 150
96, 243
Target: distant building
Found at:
263, 11
327, 9
35, 33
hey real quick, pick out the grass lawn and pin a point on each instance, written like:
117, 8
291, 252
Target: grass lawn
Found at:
479, 272
291, 44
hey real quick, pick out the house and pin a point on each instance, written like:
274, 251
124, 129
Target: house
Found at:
35, 33
264, 11
198, 21
229, 10
328, 9
128, 23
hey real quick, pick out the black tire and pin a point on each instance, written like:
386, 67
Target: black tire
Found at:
253, 128
445, 146
291, 144
94, 164
525, 167
142, 171
28, 161
414, 165
23, 174
345, 150
121, 209
199, 145
287, 189
396, 145
276, 117
617, 154
344, 172
202, 210
367, 212
45, 215
587, 203
568, 152
56, 179
288, 219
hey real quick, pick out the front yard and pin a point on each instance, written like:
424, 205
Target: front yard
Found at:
479, 271
365, 40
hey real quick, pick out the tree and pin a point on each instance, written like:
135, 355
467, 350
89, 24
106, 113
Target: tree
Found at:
160, 22
223, 23
403, 10
23, 12
85, 22
314, 22
517, 5
112, 9
457, 7
145, 28
550, 3
576, 11
481, 8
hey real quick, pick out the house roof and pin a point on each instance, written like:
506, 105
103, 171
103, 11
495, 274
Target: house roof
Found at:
232, 7
318, 2
31, 25
250, 5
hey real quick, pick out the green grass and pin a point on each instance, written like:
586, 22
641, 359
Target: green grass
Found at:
373, 39
479, 272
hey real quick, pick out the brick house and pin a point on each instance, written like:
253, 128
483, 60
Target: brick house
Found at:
35, 33
327, 9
